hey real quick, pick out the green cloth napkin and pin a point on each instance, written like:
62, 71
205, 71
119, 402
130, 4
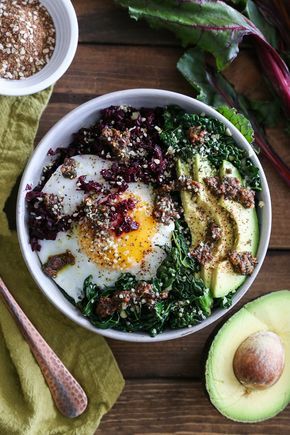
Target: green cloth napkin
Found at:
26, 406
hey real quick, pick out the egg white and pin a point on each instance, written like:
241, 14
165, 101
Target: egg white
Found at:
71, 278
57, 184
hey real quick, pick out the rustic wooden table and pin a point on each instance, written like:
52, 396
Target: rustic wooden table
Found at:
164, 390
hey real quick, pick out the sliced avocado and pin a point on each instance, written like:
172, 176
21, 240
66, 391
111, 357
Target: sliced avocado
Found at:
229, 170
202, 168
224, 279
215, 213
267, 313
239, 225
246, 220
194, 215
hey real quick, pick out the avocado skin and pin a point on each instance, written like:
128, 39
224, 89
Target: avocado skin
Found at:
267, 313
239, 225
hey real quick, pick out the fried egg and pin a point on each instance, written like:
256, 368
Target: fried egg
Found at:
139, 252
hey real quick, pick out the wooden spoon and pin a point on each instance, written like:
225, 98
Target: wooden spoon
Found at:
68, 395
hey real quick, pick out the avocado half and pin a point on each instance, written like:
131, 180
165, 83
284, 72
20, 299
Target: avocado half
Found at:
227, 394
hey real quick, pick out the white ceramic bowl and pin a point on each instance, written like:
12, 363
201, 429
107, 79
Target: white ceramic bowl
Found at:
66, 27
61, 135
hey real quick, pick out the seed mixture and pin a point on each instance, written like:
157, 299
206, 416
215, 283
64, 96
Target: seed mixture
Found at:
27, 38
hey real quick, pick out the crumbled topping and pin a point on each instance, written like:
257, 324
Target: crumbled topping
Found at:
215, 185
196, 135
243, 262
214, 232
68, 168
187, 183
119, 301
144, 292
202, 252
246, 197
182, 183
109, 213
54, 204
118, 141
165, 210
231, 188
105, 307
55, 263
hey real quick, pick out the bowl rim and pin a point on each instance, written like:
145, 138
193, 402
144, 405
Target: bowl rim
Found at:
26, 89
94, 105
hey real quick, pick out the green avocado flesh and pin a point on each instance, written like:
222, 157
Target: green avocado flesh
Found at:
239, 225
246, 230
227, 394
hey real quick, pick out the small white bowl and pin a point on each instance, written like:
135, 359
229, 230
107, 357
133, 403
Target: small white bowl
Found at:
61, 135
66, 26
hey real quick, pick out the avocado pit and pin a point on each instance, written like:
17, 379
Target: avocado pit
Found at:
259, 360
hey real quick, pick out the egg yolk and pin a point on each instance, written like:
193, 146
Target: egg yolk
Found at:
124, 251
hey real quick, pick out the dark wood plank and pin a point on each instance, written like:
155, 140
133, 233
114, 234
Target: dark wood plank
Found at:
183, 358
102, 21
180, 407
100, 69
280, 196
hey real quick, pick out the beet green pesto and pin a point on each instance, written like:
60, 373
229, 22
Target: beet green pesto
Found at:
147, 220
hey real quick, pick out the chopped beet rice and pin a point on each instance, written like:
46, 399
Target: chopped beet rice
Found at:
43, 221
109, 213
147, 163
88, 186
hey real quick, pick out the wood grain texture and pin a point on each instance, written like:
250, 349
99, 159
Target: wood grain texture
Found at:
177, 406
102, 21
98, 69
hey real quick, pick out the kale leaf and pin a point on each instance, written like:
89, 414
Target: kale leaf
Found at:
239, 121
218, 146
224, 302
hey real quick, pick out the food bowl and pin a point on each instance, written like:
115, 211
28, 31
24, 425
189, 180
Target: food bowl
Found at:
66, 26
61, 135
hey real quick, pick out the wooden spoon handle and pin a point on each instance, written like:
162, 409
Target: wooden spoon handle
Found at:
66, 392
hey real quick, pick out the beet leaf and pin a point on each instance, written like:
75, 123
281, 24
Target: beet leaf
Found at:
217, 28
